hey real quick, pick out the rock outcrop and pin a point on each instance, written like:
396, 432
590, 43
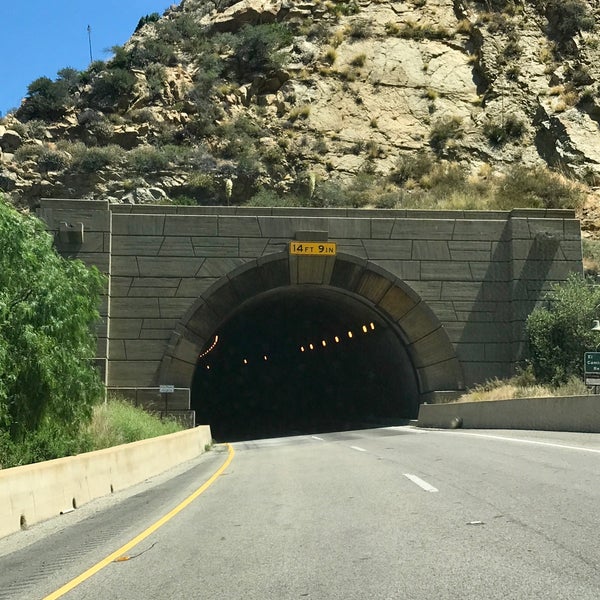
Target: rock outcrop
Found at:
340, 90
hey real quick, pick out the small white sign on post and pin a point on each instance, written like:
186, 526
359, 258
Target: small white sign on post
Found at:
167, 389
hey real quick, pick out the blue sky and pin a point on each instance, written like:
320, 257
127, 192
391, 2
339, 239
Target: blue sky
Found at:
40, 37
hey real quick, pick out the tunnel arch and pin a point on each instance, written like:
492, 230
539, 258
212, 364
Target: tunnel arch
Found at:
427, 344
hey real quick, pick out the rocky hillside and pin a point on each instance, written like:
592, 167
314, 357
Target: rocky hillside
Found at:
442, 103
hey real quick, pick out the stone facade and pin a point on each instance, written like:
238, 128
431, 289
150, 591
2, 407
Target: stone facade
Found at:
456, 285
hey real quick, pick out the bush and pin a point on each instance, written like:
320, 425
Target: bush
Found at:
499, 133
91, 160
46, 100
566, 18
110, 87
48, 306
257, 48
411, 166
537, 187
444, 130
53, 160
559, 332
151, 18
147, 159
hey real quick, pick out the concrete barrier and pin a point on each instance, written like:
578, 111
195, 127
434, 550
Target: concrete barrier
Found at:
568, 413
33, 493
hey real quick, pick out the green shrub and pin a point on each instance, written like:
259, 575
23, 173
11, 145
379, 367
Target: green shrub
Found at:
151, 18
499, 133
46, 100
257, 48
110, 87
443, 131
559, 332
411, 166
53, 160
566, 18
537, 187
91, 160
147, 159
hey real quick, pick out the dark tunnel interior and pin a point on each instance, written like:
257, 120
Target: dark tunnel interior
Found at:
303, 360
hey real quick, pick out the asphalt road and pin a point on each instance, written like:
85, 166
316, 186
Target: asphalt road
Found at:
383, 513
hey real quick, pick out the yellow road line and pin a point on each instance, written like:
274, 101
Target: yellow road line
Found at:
142, 536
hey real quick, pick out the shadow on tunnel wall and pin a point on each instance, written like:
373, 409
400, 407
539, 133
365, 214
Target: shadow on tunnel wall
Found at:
493, 340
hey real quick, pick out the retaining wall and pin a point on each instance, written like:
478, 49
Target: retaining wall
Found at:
33, 493
568, 413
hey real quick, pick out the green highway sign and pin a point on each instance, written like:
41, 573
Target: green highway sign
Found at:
592, 362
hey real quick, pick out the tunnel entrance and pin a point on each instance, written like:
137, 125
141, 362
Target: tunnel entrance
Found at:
303, 359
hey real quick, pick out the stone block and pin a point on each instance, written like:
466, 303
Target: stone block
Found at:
470, 251
446, 375
223, 298
274, 271
140, 373
498, 352
396, 302
240, 227
125, 328
219, 267
122, 266
422, 229
174, 308
177, 246
219, 247
156, 334
418, 322
373, 286
98, 260
191, 225
347, 272
144, 349
117, 350
252, 247
446, 271
570, 251
430, 250
286, 227
136, 245
467, 230
203, 322
152, 225
195, 287
119, 286
490, 271
352, 247
407, 270
349, 228
427, 290
127, 308
388, 249
147, 292
382, 228
432, 349
156, 282
173, 266
92, 219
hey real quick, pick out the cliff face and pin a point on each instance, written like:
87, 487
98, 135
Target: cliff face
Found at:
218, 102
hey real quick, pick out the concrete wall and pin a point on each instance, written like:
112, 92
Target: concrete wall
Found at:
569, 413
480, 273
33, 493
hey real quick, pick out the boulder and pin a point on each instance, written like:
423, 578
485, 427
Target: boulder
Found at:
11, 141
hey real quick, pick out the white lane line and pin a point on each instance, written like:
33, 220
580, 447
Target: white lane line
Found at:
358, 448
422, 484
316, 437
522, 441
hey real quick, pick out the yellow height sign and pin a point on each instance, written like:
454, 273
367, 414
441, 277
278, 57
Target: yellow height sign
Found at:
313, 248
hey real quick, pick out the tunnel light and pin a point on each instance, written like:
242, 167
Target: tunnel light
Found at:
350, 334
245, 361
337, 339
311, 346
372, 325
301, 348
208, 367
211, 348
265, 357
364, 328
323, 343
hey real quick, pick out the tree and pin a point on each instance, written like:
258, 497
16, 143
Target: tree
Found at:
559, 332
48, 308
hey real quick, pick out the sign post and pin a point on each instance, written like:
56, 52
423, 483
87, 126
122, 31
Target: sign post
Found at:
591, 368
165, 390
